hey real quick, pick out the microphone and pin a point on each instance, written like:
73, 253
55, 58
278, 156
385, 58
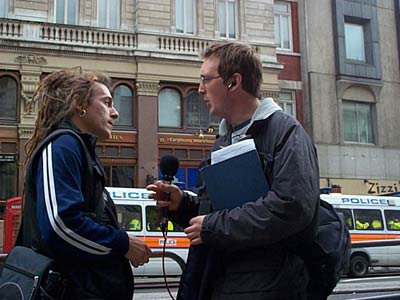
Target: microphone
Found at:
169, 165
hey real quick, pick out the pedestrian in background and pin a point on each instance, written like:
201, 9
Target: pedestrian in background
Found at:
248, 252
68, 215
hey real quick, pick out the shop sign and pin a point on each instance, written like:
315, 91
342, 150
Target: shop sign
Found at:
125, 138
186, 140
377, 188
7, 158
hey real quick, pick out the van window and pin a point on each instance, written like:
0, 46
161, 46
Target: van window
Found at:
347, 217
130, 217
153, 218
368, 219
392, 220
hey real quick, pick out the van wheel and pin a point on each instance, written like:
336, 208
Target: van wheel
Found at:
358, 266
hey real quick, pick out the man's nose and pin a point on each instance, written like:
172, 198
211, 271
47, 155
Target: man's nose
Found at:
114, 113
201, 90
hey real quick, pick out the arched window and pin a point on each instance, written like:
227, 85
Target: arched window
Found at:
169, 108
197, 115
123, 99
8, 98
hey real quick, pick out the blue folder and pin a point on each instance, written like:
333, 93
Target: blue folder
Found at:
235, 181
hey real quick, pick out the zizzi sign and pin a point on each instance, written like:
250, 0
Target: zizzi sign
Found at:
379, 188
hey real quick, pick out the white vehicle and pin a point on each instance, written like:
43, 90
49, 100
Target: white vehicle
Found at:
369, 218
139, 216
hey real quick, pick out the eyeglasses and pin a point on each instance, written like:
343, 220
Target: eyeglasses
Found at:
204, 79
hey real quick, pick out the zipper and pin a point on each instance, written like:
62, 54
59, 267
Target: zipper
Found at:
22, 271
35, 278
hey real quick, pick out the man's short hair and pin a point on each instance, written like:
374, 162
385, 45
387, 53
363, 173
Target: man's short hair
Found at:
235, 57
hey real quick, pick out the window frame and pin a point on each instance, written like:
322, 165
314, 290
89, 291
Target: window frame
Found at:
364, 13
347, 47
4, 6
185, 17
17, 99
285, 102
186, 111
65, 12
181, 108
121, 208
290, 28
227, 19
133, 104
108, 13
357, 111
109, 171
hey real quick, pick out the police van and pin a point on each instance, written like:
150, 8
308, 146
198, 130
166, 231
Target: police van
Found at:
369, 218
139, 216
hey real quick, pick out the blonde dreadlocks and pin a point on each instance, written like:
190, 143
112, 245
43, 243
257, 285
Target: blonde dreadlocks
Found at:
58, 95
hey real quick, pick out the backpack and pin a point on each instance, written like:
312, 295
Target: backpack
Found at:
329, 254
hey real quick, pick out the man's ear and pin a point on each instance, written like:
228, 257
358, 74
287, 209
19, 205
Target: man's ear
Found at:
231, 85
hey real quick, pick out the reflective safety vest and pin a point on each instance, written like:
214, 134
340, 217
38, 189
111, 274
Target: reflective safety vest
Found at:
376, 224
158, 228
394, 225
360, 225
135, 225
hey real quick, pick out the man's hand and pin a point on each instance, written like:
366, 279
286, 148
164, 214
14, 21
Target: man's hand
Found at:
160, 189
193, 232
138, 252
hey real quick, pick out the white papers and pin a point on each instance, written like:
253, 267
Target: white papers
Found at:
232, 151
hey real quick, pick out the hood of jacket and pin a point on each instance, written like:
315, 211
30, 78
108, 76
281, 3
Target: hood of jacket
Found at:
267, 107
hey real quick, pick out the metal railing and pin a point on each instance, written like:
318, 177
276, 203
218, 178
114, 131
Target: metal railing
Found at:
382, 243
160, 254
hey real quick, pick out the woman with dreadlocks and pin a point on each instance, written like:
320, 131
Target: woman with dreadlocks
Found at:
68, 215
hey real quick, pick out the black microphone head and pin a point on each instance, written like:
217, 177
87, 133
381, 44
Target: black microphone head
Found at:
169, 165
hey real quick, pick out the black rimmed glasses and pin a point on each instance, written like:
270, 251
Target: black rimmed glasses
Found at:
204, 79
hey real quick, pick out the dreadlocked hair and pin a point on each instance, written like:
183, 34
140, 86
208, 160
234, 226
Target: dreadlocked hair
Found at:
58, 95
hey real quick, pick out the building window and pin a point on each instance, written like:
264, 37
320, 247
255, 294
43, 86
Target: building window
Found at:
169, 108
185, 177
108, 14
287, 102
120, 176
8, 179
66, 11
185, 16
123, 100
227, 18
354, 41
8, 98
283, 25
357, 40
197, 114
357, 122
3, 8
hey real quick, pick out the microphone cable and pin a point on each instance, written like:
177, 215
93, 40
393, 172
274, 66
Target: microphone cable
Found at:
164, 230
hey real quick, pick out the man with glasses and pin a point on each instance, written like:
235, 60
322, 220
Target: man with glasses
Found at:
248, 252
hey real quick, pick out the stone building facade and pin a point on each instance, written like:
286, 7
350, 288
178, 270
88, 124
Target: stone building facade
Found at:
150, 48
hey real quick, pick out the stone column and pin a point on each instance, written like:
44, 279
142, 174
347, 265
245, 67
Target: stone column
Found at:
30, 70
147, 126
